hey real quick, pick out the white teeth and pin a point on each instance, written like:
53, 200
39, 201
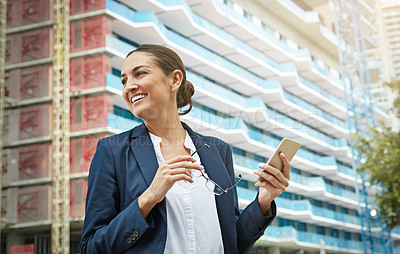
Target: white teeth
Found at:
137, 97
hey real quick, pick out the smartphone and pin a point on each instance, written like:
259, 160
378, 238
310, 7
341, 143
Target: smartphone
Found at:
289, 147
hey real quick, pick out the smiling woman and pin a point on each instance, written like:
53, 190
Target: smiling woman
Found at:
152, 61
149, 188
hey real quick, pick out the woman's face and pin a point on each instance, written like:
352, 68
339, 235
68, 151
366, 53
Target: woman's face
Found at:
147, 90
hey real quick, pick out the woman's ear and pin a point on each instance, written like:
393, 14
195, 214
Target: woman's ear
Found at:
176, 80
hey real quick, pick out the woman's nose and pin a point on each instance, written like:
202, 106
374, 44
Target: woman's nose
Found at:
131, 86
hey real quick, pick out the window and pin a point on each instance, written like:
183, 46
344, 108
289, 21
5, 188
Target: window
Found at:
286, 195
242, 183
259, 158
285, 222
334, 232
238, 151
317, 203
320, 230
297, 197
331, 207
300, 226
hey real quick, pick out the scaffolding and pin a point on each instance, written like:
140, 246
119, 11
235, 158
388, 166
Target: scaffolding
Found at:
355, 75
3, 15
60, 227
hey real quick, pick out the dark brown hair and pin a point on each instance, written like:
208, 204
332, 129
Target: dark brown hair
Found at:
169, 61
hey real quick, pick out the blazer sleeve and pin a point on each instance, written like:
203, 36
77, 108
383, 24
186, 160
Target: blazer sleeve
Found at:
250, 224
106, 229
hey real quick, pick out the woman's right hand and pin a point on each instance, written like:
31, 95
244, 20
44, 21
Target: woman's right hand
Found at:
168, 173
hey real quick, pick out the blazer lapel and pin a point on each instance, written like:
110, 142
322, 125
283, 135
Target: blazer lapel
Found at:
143, 150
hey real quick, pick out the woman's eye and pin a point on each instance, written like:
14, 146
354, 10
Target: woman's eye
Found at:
124, 81
140, 73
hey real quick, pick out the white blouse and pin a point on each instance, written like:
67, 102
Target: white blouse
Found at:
192, 219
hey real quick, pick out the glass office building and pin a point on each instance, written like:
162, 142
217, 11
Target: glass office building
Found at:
262, 71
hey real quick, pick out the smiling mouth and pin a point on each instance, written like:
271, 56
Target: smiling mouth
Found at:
138, 97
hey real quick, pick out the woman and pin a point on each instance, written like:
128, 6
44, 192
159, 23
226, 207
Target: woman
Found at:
149, 188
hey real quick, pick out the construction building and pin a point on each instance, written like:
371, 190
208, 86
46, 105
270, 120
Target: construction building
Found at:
262, 70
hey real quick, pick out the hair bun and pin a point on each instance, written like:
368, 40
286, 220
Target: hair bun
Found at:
184, 97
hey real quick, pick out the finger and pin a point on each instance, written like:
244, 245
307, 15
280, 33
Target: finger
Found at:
178, 171
286, 166
180, 177
273, 171
268, 186
265, 177
181, 158
186, 164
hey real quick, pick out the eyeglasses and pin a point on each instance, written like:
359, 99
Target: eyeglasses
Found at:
210, 184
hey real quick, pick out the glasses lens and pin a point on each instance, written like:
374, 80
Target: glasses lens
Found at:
214, 188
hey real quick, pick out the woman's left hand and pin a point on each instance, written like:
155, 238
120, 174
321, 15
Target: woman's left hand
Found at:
271, 182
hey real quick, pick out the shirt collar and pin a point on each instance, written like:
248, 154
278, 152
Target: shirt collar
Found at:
188, 143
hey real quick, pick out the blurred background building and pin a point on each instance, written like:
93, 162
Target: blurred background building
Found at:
262, 70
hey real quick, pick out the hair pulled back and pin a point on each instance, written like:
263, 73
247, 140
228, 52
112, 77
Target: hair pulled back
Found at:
169, 61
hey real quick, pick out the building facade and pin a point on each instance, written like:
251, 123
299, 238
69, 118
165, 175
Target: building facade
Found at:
262, 70
388, 23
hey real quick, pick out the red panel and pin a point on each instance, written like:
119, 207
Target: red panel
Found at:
12, 14
78, 190
4, 166
81, 153
34, 82
90, 112
25, 12
28, 46
34, 121
95, 70
28, 83
23, 249
95, 110
6, 126
89, 33
12, 48
35, 44
76, 74
34, 11
79, 6
7, 84
33, 203
33, 162
89, 72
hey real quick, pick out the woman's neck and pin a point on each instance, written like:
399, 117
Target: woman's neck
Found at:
169, 129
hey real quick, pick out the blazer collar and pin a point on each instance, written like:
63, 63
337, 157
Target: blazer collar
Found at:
143, 150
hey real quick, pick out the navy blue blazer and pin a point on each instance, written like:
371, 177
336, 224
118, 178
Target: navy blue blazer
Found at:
122, 169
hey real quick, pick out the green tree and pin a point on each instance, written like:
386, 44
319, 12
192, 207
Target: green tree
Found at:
380, 148
395, 86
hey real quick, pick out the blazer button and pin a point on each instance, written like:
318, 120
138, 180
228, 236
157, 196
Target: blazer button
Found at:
135, 233
129, 240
